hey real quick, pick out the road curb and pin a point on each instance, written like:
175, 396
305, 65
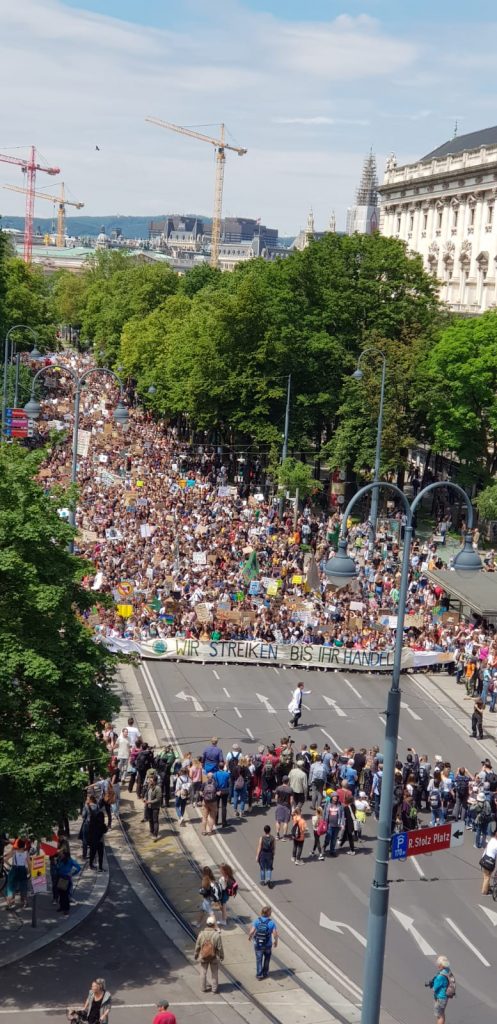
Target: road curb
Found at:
80, 914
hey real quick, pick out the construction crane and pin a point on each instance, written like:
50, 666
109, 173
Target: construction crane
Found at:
220, 146
61, 207
29, 167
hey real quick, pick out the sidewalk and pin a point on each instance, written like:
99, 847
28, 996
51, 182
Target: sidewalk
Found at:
452, 698
300, 986
17, 936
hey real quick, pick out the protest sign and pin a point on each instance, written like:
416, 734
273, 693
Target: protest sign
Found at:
199, 557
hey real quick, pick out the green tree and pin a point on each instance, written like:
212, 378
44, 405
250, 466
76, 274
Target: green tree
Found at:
27, 301
55, 681
294, 476
486, 503
460, 375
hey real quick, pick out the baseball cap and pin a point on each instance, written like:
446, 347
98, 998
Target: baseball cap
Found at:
211, 919
481, 797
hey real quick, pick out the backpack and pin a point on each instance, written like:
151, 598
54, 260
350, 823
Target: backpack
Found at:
492, 779
267, 844
232, 888
143, 760
216, 892
286, 757
268, 770
321, 827
462, 787
261, 937
209, 791
398, 793
207, 950
424, 772
435, 800
239, 783
233, 763
450, 991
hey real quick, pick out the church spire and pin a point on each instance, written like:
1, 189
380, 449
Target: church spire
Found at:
333, 223
367, 193
310, 224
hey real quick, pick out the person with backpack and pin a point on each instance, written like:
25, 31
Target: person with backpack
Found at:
334, 817
153, 800
143, 762
231, 765
376, 791
487, 864
182, 791
240, 786
424, 773
96, 831
299, 829
285, 760
222, 780
317, 779
228, 890
461, 787
264, 935
265, 856
268, 781
209, 950
482, 819
443, 986
436, 805
319, 829
477, 720
283, 794
209, 805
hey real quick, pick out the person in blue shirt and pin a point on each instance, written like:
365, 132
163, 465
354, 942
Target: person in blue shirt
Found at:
222, 780
264, 935
211, 756
65, 868
439, 985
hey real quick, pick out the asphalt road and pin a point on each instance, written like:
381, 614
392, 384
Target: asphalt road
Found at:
122, 943
438, 895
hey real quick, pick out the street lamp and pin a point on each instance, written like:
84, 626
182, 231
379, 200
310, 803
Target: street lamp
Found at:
340, 570
358, 375
7, 358
32, 409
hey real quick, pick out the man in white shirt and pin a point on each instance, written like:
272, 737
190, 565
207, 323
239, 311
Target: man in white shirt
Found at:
133, 732
295, 705
491, 852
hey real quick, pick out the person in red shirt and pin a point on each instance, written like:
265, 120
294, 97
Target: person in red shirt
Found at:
164, 1016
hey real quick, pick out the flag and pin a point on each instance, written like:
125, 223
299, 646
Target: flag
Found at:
251, 567
312, 580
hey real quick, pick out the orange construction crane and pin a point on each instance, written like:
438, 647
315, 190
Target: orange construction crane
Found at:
61, 201
29, 167
220, 146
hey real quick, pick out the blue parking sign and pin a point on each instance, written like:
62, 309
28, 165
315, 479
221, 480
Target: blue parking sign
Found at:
399, 846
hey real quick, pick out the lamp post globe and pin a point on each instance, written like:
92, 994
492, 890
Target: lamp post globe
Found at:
35, 353
32, 409
358, 374
121, 414
467, 560
341, 568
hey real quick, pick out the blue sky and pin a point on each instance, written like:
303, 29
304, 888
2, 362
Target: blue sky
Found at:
308, 88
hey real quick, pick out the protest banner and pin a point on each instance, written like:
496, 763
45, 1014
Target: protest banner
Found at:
199, 557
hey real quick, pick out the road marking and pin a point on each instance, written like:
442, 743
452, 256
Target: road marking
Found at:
306, 706
466, 941
267, 705
354, 992
460, 725
419, 869
417, 718
383, 719
492, 916
333, 704
134, 1006
276, 670
407, 924
226, 692
349, 684
249, 733
335, 744
215, 673
339, 926
188, 696
237, 712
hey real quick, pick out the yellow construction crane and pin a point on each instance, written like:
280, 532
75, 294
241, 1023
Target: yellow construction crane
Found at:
220, 146
61, 201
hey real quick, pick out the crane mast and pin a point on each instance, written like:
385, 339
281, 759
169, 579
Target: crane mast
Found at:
61, 207
29, 168
220, 146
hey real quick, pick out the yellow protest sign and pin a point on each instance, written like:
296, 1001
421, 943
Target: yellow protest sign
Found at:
125, 610
297, 579
272, 589
38, 873
139, 483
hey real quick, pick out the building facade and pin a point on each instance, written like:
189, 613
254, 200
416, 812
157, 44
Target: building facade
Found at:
443, 207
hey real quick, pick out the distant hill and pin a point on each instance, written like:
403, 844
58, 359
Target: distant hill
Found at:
90, 227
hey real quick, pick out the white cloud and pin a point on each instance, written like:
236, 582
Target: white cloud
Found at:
320, 120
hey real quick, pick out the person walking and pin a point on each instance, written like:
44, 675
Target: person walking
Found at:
153, 800
210, 892
482, 819
122, 751
283, 794
295, 705
97, 1005
222, 780
164, 1015
209, 951
265, 856
96, 831
182, 791
209, 805
264, 935
65, 869
319, 828
17, 878
298, 835
335, 819
443, 986
228, 890
349, 826
487, 864
477, 720
298, 782
317, 779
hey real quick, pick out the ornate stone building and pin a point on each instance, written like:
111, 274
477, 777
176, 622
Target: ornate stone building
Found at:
443, 207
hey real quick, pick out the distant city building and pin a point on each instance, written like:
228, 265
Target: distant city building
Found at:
309, 233
443, 206
363, 218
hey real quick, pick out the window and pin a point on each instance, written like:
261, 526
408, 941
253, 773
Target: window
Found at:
425, 221
455, 217
398, 222
472, 216
490, 215
411, 222
439, 218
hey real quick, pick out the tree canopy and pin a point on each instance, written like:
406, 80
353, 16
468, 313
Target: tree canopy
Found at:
55, 681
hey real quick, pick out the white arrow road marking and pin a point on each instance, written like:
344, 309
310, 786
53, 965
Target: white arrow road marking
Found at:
466, 941
339, 926
419, 869
492, 916
408, 926
188, 696
333, 704
349, 684
265, 701
383, 719
417, 718
215, 673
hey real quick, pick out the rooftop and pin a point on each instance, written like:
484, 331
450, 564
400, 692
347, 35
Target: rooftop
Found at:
462, 143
